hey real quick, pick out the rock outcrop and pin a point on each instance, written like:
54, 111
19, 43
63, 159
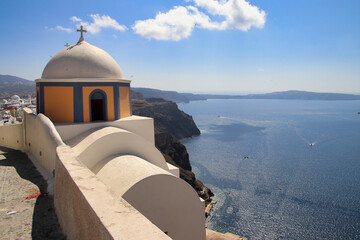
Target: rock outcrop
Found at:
172, 124
167, 117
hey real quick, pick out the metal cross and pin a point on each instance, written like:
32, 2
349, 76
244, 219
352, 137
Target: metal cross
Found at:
66, 45
82, 31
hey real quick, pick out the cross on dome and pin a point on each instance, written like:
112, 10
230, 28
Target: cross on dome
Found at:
82, 31
66, 45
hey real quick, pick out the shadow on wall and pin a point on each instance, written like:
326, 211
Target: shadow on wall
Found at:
45, 224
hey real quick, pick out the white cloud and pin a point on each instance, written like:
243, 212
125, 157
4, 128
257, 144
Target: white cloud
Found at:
176, 24
179, 22
75, 19
99, 22
260, 70
68, 30
61, 28
239, 14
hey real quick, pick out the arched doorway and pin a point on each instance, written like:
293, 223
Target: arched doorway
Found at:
98, 106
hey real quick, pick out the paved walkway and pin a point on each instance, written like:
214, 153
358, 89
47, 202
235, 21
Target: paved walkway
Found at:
26, 210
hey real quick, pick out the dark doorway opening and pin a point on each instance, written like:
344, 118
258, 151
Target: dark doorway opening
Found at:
98, 107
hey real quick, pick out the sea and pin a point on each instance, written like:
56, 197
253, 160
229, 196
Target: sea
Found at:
279, 169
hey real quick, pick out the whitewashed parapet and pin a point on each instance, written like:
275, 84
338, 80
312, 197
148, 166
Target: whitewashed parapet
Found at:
11, 136
114, 141
41, 139
87, 209
142, 126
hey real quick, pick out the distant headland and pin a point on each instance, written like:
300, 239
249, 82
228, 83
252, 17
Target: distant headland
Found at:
11, 85
290, 95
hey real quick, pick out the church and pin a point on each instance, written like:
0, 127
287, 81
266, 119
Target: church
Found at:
110, 181
83, 83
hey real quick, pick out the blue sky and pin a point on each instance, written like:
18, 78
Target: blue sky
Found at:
195, 45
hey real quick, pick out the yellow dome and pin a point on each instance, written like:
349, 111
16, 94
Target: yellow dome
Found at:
82, 60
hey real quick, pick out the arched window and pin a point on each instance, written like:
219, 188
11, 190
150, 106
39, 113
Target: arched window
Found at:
98, 108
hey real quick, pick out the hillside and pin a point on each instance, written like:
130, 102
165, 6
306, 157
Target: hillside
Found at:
10, 85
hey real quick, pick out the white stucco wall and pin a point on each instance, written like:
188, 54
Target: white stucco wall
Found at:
97, 147
167, 201
87, 208
173, 170
175, 207
11, 136
41, 139
131, 167
142, 126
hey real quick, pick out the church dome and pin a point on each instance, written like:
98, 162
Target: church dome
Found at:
82, 60
15, 99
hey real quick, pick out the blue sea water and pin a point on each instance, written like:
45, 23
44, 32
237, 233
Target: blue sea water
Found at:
285, 189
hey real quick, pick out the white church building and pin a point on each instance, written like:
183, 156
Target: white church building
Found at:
110, 181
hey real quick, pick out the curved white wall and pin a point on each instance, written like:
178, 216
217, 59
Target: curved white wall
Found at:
127, 163
41, 139
87, 208
96, 147
142, 126
167, 201
138, 173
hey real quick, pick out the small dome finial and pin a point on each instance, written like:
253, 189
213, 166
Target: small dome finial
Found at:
67, 45
82, 31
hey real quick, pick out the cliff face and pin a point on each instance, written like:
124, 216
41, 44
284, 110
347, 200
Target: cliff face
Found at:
172, 124
167, 95
167, 117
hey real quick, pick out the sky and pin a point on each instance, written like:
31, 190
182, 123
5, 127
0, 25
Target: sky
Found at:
200, 46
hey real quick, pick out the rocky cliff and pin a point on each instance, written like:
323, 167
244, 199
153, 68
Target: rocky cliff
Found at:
172, 124
167, 116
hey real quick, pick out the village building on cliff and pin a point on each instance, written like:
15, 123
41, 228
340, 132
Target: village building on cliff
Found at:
110, 181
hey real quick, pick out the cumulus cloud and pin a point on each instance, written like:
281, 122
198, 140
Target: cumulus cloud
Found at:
238, 14
176, 24
179, 22
98, 23
60, 28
